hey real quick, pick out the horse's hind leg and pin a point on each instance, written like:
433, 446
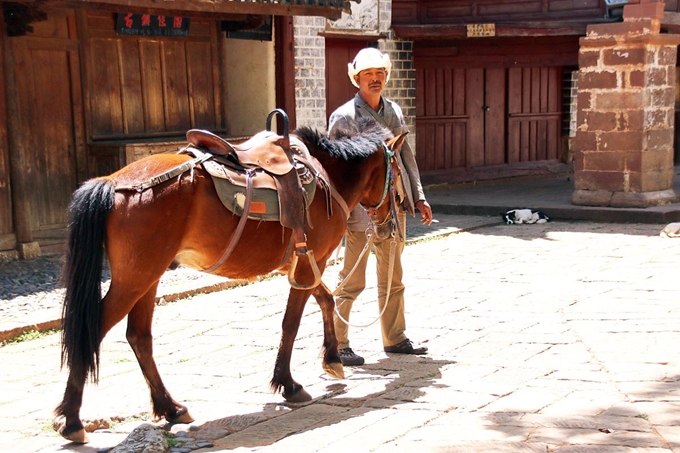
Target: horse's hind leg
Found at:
112, 314
139, 336
331, 360
73, 429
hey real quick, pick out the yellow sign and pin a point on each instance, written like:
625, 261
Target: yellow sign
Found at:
481, 30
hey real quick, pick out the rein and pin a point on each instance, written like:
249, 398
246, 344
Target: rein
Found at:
369, 244
394, 219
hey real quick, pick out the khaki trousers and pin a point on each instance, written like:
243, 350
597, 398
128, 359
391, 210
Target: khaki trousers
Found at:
392, 322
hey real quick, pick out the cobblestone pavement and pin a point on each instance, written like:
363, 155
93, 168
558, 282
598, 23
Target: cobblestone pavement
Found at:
559, 337
31, 291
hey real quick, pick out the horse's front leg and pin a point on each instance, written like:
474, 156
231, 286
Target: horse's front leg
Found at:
283, 379
331, 360
139, 336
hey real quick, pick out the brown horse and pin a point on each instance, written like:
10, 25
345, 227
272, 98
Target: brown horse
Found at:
142, 232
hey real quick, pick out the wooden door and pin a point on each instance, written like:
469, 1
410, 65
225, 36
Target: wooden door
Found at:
339, 89
474, 117
534, 114
48, 85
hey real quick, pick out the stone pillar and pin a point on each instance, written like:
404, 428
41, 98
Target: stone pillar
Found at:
624, 138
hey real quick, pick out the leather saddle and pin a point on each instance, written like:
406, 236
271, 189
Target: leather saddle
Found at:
264, 150
267, 177
264, 158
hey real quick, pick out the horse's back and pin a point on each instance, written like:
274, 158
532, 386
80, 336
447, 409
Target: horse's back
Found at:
182, 219
147, 168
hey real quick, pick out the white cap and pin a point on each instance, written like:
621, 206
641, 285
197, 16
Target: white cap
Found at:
369, 58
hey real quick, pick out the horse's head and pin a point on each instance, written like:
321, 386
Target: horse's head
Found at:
383, 213
358, 160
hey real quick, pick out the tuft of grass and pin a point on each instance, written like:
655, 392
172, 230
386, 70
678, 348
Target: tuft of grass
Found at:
171, 440
28, 336
643, 416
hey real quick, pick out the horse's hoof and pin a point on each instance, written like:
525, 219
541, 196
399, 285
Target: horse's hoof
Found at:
182, 416
78, 436
334, 370
300, 396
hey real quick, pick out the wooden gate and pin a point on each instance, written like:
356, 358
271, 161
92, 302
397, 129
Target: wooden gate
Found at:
473, 117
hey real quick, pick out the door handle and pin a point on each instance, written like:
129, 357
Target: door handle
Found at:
485, 108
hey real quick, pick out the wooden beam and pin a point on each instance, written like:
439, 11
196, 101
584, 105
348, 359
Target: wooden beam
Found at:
517, 29
285, 70
215, 9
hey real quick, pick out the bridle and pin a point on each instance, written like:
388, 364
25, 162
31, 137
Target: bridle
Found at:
389, 178
388, 188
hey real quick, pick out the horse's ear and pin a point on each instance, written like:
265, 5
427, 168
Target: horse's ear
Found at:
396, 142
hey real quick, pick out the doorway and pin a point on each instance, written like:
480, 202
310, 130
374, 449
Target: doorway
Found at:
339, 89
475, 117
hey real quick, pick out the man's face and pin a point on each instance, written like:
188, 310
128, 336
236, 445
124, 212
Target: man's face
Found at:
371, 80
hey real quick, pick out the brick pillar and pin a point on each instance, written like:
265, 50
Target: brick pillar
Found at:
624, 138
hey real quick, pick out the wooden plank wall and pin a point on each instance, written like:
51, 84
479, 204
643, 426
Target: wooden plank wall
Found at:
7, 239
442, 118
534, 113
146, 87
48, 90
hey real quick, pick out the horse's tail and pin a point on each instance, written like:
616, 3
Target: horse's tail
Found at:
81, 313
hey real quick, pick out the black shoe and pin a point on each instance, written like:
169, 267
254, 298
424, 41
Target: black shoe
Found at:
406, 347
349, 358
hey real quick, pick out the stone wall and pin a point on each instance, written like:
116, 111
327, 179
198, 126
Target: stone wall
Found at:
625, 123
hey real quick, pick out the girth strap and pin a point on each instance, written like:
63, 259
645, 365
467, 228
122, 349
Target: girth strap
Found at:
292, 214
241, 224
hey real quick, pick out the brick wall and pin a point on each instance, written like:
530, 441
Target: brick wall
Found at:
310, 72
402, 85
569, 111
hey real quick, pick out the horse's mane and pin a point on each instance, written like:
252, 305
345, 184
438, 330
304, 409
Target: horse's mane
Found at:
358, 139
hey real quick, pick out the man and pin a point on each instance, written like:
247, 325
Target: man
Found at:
369, 72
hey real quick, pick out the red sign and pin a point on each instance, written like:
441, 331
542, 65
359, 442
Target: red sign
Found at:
151, 25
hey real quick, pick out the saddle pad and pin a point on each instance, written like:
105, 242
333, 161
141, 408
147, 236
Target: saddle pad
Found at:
264, 203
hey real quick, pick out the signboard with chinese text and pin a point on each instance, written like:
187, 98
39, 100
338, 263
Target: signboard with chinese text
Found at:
262, 33
151, 25
481, 30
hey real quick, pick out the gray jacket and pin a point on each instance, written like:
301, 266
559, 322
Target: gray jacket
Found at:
390, 116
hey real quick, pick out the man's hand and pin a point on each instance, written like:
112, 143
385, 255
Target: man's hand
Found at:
425, 212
